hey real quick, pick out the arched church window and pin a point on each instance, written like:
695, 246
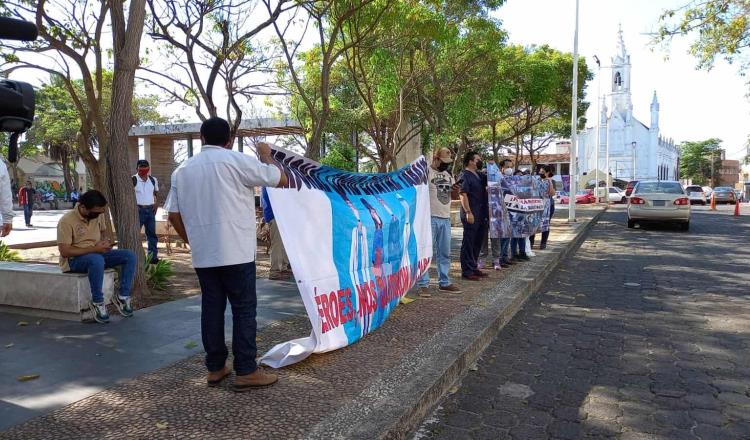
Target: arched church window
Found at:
618, 81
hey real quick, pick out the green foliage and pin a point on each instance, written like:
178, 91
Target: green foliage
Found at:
695, 160
341, 156
158, 275
7, 254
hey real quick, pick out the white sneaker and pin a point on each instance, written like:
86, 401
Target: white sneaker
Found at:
100, 313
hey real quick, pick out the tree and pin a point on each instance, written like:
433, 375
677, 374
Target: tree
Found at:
696, 159
72, 46
721, 29
206, 53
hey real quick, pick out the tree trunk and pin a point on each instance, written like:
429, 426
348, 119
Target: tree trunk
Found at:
126, 49
66, 174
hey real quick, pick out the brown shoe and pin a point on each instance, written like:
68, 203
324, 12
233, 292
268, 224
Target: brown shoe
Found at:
256, 379
481, 274
280, 276
424, 292
470, 277
215, 378
450, 288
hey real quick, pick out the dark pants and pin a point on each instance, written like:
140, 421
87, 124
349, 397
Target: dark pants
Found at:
517, 247
28, 211
236, 283
147, 218
471, 245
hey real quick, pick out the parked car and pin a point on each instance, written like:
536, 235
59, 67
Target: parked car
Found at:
724, 194
615, 195
659, 201
695, 194
629, 188
585, 196
561, 197
707, 190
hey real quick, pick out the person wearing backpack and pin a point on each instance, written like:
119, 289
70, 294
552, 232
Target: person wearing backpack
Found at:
146, 188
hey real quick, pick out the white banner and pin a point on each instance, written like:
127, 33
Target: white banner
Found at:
356, 243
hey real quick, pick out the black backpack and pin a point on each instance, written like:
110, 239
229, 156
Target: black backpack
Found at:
151, 178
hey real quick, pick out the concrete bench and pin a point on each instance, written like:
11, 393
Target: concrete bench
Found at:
43, 290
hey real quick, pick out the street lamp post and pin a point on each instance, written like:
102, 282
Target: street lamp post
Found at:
633, 144
598, 125
574, 128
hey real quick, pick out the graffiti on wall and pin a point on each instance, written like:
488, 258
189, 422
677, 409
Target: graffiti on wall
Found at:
50, 186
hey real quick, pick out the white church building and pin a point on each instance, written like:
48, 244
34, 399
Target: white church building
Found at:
636, 151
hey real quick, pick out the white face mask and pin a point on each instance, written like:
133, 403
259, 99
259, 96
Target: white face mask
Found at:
508, 171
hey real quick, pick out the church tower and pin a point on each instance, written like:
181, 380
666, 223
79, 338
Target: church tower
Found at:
622, 103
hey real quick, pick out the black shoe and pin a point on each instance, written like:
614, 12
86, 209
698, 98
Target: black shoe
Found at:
523, 257
543, 246
506, 263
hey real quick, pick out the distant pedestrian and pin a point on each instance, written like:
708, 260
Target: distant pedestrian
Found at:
146, 190
212, 207
74, 197
518, 244
279, 260
440, 183
26, 200
474, 212
547, 191
85, 248
6, 202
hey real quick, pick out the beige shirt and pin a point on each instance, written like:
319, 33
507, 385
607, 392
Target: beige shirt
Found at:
75, 230
440, 183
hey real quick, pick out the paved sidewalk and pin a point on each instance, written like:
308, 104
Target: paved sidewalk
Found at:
643, 334
174, 402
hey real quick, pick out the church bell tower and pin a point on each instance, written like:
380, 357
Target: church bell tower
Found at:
620, 83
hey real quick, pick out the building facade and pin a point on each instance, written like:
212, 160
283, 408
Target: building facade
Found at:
636, 151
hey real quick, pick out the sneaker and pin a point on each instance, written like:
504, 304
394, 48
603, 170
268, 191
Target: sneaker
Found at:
424, 292
450, 288
496, 265
100, 312
123, 305
480, 264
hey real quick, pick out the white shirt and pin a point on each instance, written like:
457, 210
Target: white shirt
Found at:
215, 195
6, 198
144, 190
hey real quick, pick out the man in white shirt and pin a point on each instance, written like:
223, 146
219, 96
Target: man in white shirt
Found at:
6, 201
212, 207
146, 188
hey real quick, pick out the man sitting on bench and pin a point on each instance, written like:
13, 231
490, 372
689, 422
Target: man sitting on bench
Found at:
84, 249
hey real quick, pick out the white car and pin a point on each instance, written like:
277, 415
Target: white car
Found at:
616, 195
696, 194
659, 201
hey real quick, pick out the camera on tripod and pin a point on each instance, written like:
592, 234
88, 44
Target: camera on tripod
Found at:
16, 97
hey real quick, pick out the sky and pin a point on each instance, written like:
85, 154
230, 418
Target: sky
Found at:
694, 105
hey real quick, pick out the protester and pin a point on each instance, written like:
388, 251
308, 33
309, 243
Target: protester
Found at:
146, 189
547, 191
474, 212
518, 244
279, 260
26, 200
74, 196
440, 184
6, 202
506, 169
84, 248
212, 207
494, 174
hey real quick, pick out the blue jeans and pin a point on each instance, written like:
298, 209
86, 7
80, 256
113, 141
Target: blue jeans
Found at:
147, 218
28, 210
236, 283
504, 247
517, 247
441, 250
94, 264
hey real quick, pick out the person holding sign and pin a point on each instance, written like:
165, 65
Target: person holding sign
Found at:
474, 213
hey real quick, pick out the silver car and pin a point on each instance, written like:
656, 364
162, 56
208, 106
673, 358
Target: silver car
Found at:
695, 194
724, 194
659, 201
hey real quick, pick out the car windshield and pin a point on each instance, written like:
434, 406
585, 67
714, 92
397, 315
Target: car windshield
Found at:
659, 187
723, 188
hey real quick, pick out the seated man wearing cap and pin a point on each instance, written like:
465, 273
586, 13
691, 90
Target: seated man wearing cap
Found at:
146, 187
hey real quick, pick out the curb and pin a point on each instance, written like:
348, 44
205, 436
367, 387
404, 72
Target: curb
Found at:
397, 401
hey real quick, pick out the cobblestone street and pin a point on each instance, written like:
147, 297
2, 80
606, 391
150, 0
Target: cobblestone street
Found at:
642, 334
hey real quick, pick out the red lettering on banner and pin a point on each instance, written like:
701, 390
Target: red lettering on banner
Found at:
333, 309
343, 313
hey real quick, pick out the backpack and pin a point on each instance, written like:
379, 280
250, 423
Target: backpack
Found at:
150, 177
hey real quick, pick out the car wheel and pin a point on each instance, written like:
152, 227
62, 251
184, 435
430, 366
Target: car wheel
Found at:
631, 224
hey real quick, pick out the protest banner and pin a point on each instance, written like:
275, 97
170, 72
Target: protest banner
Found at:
356, 244
500, 226
524, 205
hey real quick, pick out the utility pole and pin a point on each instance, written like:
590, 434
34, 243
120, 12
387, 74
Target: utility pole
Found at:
633, 144
598, 126
713, 160
574, 129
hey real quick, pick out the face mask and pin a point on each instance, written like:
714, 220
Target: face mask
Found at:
143, 172
443, 166
508, 171
479, 164
93, 215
